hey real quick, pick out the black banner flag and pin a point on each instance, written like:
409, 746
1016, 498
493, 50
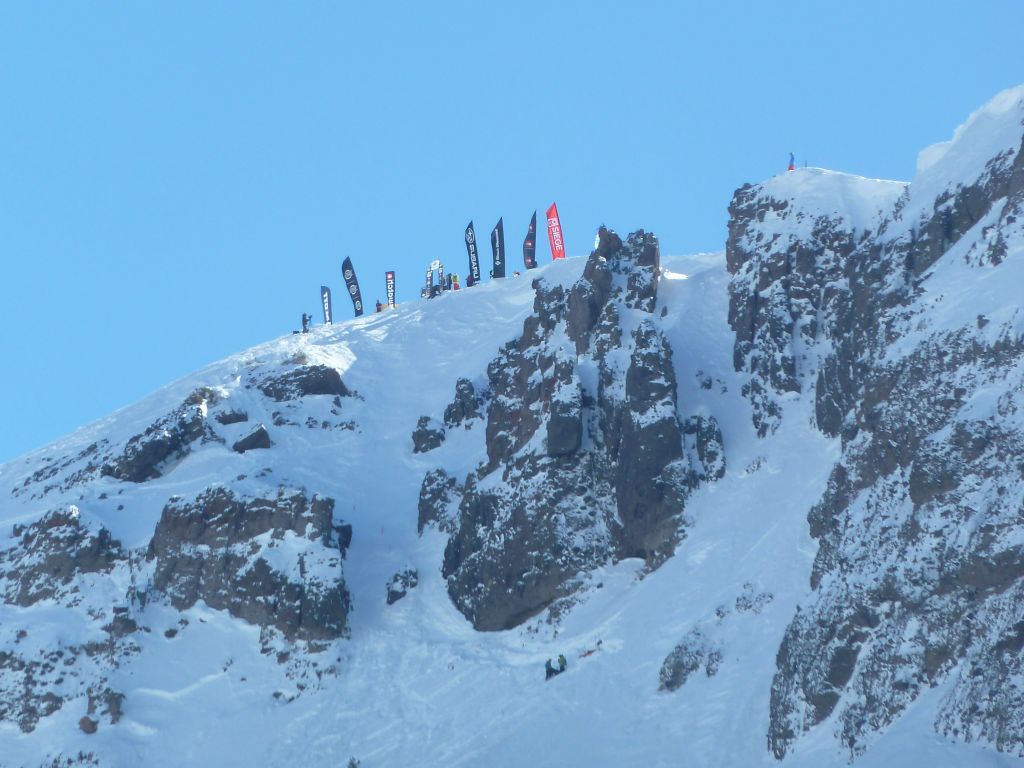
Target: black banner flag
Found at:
474, 257
325, 299
498, 249
427, 291
353, 285
389, 287
530, 244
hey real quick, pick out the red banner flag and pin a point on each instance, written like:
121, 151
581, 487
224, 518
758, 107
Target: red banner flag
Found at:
555, 233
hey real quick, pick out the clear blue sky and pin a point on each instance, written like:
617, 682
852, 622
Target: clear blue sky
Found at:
177, 179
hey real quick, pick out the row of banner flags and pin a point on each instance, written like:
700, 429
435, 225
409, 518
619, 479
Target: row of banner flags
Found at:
529, 245
348, 272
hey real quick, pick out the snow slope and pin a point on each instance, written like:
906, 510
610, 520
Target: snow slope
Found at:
855, 202
414, 684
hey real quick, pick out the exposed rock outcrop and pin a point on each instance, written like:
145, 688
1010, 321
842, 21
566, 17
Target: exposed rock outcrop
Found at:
903, 597
652, 476
36, 682
429, 435
51, 552
259, 438
437, 493
231, 417
790, 258
585, 473
65, 472
919, 576
302, 381
27, 689
704, 438
401, 583
691, 654
149, 455
105, 701
218, 548
705, 645
465, 407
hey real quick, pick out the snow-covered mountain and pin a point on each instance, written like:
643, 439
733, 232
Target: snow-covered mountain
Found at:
766, 502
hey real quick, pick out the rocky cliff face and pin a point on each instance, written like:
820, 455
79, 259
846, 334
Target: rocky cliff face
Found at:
209, 529
274, 562
792, 260
58, 559
272, 559
221, 549
918, 577
51, 552
585, 454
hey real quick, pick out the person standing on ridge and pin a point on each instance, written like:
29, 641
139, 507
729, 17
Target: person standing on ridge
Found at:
305, 322
792, 162
379, 305
561, 663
